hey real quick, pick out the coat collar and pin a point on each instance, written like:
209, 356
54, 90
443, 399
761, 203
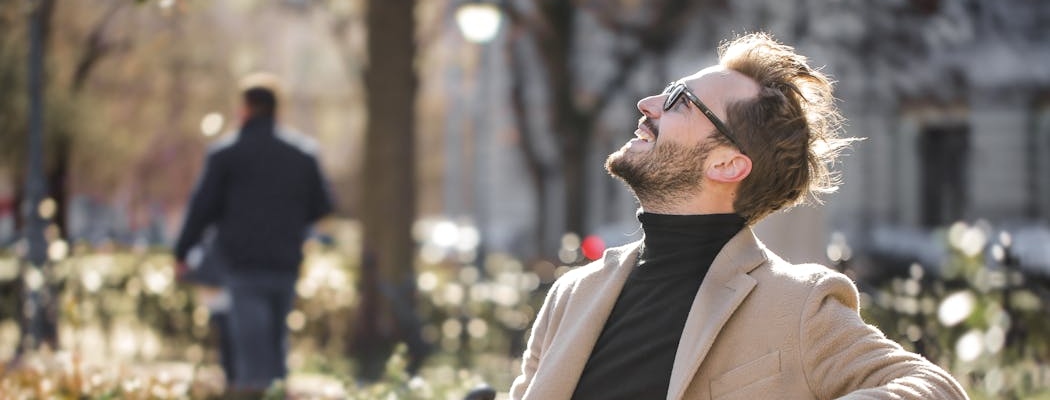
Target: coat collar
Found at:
724, 288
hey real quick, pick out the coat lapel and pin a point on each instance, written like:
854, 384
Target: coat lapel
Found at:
724, 288
571, 347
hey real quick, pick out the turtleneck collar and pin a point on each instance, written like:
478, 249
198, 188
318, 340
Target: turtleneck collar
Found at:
669, 232
675, 244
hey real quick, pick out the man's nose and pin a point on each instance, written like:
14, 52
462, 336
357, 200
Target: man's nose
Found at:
651, 106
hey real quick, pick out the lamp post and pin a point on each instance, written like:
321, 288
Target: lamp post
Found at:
479, 22
36, 296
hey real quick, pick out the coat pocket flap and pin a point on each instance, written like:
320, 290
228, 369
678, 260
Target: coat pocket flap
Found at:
752, 371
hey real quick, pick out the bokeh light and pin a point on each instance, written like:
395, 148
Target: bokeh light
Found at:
445, 234
426, 281
479, 22
593, 247
296, 320
1005, 238
477, 328
838, 250
91, 280
956, 308
57, 250
47, 208
469, 275
156, 281
469, 238
994, 339
570, 241
33, 278
452, 294
212, 124
451, 328
970, 240
969, 346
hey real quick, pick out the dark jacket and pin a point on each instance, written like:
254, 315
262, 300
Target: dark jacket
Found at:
262, 189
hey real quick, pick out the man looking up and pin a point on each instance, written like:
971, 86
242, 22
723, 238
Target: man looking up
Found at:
699, 308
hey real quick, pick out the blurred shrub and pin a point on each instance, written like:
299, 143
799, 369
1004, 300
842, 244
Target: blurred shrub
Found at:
128, 330
122, 307
978, 315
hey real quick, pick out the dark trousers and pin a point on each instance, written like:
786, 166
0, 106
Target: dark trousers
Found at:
259, 334
219, 325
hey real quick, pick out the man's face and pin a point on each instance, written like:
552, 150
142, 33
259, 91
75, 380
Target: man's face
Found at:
668, 155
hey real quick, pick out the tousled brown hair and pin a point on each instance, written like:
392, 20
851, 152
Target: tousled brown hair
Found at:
790, 130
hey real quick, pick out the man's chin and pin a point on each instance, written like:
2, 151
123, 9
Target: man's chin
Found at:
620, 162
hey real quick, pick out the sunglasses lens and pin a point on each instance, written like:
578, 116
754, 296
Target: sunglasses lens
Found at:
673, 92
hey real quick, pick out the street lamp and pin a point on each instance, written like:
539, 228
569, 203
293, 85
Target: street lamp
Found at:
479, 21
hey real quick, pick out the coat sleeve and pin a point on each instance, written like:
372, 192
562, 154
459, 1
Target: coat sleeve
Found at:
537, 343
846, 358
205, 205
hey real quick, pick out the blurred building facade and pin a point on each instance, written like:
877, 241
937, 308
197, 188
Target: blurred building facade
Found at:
952, 98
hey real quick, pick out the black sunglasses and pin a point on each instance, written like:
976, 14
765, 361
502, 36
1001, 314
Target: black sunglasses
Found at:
675, 90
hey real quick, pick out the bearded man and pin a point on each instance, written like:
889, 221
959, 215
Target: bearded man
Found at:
699, 308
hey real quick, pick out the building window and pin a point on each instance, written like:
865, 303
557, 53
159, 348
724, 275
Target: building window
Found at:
943, 158
1038, 162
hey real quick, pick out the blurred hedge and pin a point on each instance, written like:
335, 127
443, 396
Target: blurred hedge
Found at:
128, 330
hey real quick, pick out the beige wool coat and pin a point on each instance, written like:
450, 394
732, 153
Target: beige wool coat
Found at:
759, 328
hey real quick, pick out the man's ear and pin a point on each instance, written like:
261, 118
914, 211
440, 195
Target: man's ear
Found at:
731, 168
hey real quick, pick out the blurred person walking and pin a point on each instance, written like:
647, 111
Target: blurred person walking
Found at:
262, 189
700, 308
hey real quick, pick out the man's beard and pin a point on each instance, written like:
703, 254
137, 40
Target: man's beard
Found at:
663, 175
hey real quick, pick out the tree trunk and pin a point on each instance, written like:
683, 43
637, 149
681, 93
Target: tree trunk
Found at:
387, 311
568, 123
538, 171
576, 134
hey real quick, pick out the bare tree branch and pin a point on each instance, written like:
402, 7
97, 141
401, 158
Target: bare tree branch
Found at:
96, 46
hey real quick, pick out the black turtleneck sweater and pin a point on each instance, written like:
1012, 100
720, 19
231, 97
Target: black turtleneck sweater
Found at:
635, 352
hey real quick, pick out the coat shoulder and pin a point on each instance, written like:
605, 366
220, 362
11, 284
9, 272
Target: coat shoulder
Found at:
223, 143
297, 140
803, 274
810, 282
